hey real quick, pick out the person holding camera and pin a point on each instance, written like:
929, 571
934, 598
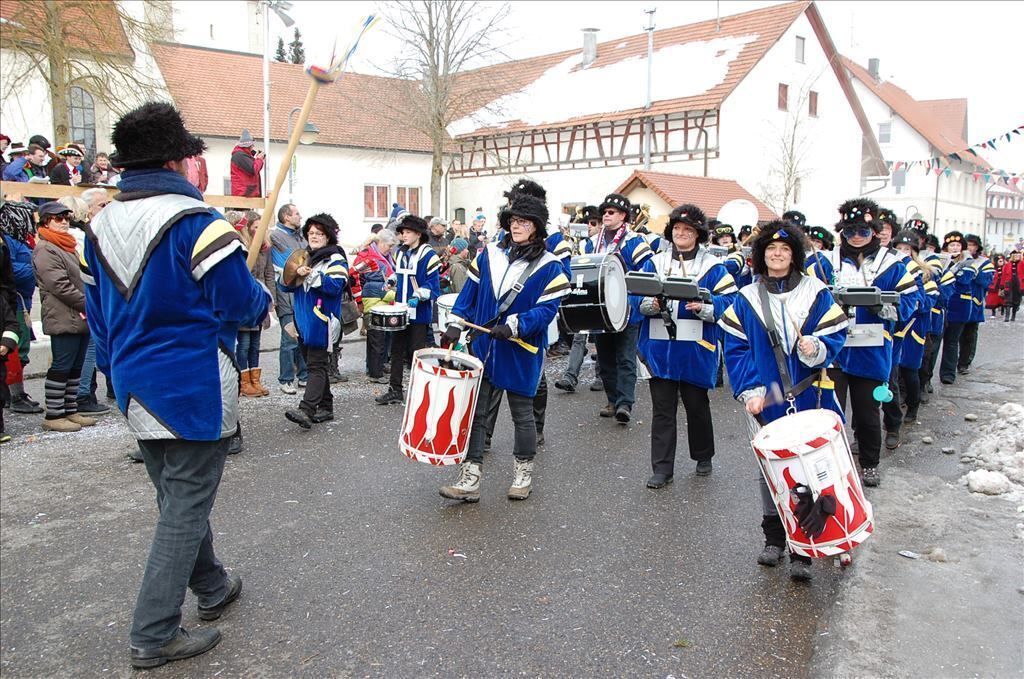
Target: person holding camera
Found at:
246, 166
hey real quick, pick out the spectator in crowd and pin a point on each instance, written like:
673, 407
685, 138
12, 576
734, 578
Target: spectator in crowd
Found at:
372, 268
459, 230
397, 214
458, 264
246, 166
61, 291
195, 172
5, 142
1011, 281
438, 235
25, 163
68, 173
50, 159
477, 234
285, 239
376, 228
102, 171
84, 167
248, 352
17, 224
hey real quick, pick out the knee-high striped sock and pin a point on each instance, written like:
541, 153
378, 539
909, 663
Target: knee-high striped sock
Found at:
55, 386
71, 393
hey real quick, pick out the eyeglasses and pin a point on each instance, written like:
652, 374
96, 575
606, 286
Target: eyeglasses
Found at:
594, 222
856, 232
610, 211
520, 222
60, 218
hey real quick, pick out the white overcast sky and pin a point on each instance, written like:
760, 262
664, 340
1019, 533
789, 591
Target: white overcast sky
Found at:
933, 49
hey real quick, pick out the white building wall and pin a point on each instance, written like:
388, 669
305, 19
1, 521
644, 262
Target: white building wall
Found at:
752, 126
331, 179
221, 24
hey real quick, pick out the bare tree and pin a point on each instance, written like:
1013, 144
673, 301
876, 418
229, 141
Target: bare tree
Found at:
787, 151
441, 40
88, 43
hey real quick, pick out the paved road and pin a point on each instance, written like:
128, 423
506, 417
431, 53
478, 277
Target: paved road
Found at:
347, 554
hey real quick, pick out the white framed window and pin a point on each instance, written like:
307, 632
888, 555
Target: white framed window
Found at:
884, 133
409, 198
82, 112
783, 97
375, 201
812, 104
800, 44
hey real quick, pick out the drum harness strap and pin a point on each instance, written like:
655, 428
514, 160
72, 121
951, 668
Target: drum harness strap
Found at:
509, 298
790, 390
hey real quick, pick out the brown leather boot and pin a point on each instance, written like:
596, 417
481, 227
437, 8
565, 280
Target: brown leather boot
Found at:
256, 375
248, 389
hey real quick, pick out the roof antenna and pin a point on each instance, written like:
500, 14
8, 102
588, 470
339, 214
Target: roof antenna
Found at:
718, 16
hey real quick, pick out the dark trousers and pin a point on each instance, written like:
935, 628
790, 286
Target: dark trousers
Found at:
865, 413
318, 384
968, 345
700, 433
931, 355
950, 351
892, 412
524, 445
375, 352
540, 406
616, 360
912, 386
186, 475
403, 345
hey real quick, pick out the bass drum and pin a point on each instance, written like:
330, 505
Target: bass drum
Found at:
597, 300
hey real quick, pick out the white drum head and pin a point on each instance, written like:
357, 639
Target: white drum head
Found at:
798, 430
447, 302
389, 309
616, 299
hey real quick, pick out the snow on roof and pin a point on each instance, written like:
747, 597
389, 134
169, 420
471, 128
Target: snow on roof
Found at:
545, 101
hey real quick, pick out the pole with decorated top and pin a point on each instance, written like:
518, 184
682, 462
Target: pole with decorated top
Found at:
320, 77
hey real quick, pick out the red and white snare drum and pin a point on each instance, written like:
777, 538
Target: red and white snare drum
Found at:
440, 408
810, 447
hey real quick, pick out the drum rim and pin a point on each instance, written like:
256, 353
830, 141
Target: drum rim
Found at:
830, 437
606, 260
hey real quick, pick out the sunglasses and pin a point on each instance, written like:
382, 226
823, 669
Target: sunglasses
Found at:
60, 218
594, 222
857, 232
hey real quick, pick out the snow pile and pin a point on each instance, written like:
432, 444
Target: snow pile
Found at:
998, 454
678, 71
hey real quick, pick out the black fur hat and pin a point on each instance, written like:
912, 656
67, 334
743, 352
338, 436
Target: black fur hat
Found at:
720, 229
326, 224
953, 237
887, 216
528, 207
906, 237
413, 223
590, 212
151, 135
527, 186
931, 240
918, 225
794, 217
745, 231
618, 202
828, 241
786, 232
859, 211
974, 238
692, 216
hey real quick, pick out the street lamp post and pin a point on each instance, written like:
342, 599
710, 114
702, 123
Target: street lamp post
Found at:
280, 8
308, 136
647, 107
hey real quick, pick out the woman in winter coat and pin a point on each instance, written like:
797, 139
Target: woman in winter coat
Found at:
247, 352
993, 296
318, 294
1011, 281
59, 272
372, 268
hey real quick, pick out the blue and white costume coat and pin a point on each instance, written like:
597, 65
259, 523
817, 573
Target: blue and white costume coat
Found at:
169, 290
692, 355
979, 287
960, 301
633, 249
507, 365
562, 248
317, 302
750, 359
937, 317
869, 344
418, 277
819, 265
905, 327
915, 332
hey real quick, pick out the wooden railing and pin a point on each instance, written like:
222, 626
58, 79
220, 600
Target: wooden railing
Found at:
19, 190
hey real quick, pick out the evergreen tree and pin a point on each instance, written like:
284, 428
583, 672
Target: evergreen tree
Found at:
280, 55
296, 53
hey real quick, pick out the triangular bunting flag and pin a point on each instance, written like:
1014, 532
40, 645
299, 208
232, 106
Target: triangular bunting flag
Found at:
975, 175
992, 143
1014, 181
948, 172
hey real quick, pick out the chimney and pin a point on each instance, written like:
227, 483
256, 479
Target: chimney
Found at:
873, 69
589, 46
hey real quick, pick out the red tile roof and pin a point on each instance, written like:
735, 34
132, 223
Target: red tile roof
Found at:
1004, 213
707, 193
951, 114
87, 26
220, 92
485, 85
931, 120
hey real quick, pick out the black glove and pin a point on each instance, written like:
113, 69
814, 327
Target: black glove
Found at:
450, 336
812, 515
502, 332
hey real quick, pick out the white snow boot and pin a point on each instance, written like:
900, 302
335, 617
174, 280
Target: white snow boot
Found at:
467, 487
520, 489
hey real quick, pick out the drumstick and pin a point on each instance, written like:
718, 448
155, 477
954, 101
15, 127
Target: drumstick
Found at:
529, 347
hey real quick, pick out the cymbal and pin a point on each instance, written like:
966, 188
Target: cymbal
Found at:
290, 276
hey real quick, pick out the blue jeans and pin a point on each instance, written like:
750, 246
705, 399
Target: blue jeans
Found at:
88, 368
186, 475
247, 353
616, 360
290, 356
